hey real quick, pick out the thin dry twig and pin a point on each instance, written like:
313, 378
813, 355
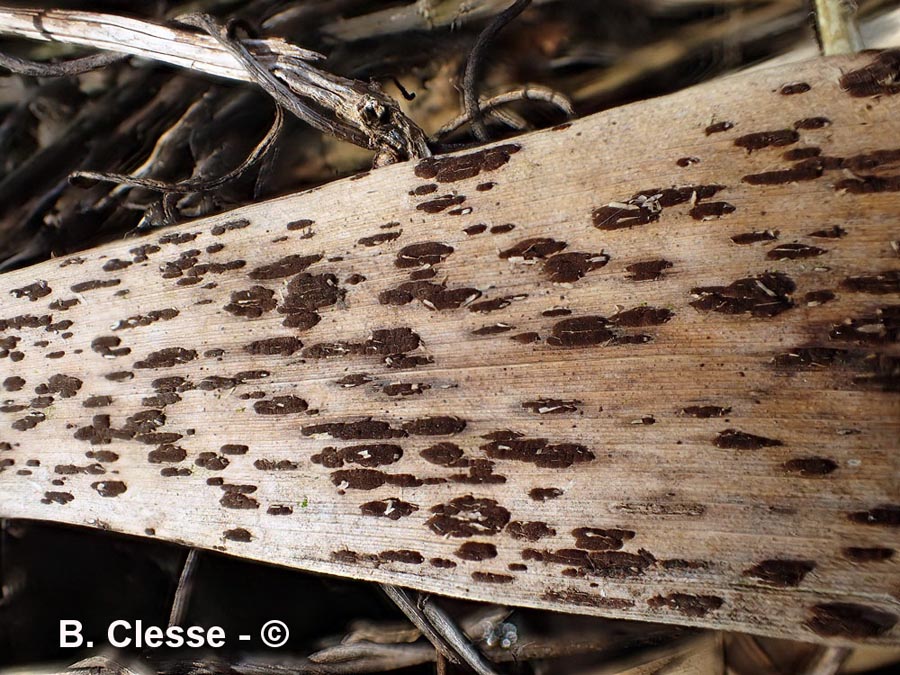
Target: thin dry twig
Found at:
77, 66
4, 593
827, 661
419, 15
448, 630
415, 614
473, 66
530, 92
184, 588
362, 657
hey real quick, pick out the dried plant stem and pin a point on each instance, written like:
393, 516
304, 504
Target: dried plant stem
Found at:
750, 376
63, 68
140, 38
183, 591
529, 92
354, 111
837, 28
400, 597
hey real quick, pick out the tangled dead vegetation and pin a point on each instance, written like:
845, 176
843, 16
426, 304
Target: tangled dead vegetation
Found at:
216, 106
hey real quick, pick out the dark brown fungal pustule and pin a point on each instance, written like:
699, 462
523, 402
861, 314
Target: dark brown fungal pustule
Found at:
109, 488
794, 252
436, 297
275, 465
763, 296
606, 564
85, 286
97, 401
582, 331
166, 358
222, 228
868, 554
494, 304
391, 508
572, 266
492, 577
503, 229
781, 572
444, 454
810, 466
440, 425
797, 154
718, 127
280, 405
710, 210
362, 429
401, 556
812, 123
468, 516
238, 534
211, 461
177, 238
65, 385
281, 346
599, 539
647, 206
461, 167
641, 316
806, 170
705, 411
369, 455
34, 292
530, 531
732, 439
371, 479
767, 139
544, 494
538, 451
552, 406
493, 329
284, 267
251, 303
108, 346
849, 620
881, 77
440, 203
583, 599
153, 316
476, 551
686, 603
532, 249
647, 270
794, 88
820, 297
380, 238
306, 293
886, 515
876, 284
